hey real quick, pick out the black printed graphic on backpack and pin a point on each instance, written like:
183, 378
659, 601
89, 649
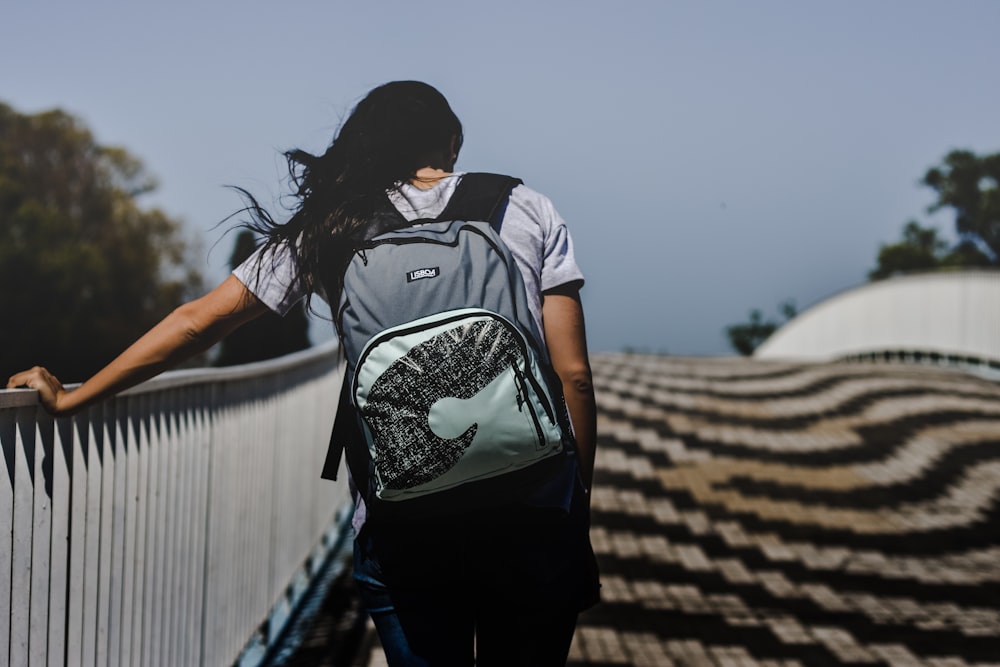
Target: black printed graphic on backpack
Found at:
458, 363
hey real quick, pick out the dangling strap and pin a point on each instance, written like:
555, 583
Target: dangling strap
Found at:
345, 431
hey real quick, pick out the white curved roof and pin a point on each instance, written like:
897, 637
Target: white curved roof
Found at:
953, 313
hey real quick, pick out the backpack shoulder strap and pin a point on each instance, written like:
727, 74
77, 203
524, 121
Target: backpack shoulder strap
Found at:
480, 196
385, 218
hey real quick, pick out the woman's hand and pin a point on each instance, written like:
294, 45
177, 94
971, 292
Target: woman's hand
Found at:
50, 390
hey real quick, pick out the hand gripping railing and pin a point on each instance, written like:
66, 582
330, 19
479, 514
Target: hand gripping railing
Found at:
170, 525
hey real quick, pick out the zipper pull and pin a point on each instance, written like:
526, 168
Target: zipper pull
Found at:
519, 385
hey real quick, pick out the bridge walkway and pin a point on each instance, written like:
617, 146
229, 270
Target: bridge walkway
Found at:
769, 514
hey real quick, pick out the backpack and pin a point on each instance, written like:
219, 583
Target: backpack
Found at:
449, 401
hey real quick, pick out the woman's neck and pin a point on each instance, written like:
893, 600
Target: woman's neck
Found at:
427, 177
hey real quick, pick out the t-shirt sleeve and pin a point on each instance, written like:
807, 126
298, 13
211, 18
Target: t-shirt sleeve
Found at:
270, 274
559, 265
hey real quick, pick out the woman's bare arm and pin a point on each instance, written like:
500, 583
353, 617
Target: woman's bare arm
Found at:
565, 336
188, 330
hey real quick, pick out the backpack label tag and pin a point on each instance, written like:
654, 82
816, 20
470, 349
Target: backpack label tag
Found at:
420, 274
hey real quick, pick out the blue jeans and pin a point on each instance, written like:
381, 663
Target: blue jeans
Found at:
494, 589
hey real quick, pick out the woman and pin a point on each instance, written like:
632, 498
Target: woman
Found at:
496, 587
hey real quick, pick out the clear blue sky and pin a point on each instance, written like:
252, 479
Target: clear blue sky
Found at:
710, 157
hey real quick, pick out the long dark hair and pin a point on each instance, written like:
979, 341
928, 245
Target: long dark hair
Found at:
395, 130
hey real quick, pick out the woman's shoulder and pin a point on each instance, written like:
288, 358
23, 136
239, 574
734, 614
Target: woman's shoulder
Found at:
535, 206
531, 196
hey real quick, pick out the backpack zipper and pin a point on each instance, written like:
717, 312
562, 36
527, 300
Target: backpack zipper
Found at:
522, 391
542, 396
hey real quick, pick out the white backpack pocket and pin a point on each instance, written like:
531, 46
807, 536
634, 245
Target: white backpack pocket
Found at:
452, 398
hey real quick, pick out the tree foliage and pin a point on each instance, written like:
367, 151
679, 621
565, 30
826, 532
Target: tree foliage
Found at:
269, 335
747, 337
920, 250
85, 270
969, 184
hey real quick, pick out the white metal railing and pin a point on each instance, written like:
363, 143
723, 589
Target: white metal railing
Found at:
165, 526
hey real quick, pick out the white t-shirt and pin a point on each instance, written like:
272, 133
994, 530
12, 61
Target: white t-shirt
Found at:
532, 229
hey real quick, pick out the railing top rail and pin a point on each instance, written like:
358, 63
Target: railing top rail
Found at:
16, 398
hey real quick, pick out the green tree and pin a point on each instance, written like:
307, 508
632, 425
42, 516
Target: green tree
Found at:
269, 335
84, 269
747, 337
968, 184
922, 249
966, 254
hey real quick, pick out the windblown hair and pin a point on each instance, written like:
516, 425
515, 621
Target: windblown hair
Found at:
395, 130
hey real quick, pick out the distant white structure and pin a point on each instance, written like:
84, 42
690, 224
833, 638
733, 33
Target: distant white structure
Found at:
943, 317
